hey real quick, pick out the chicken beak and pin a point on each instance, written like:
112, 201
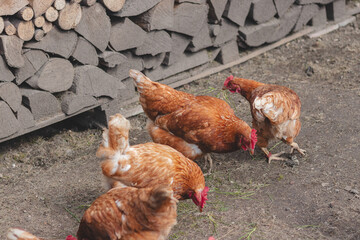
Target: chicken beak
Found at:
252, 151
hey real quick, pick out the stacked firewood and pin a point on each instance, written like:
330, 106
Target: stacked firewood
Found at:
61, 57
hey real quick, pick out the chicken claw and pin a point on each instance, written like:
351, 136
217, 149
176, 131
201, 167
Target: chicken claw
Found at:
276, 156
207, 158
295, 146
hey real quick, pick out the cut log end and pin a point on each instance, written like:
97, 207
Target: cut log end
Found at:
26, 13
9, 28
39, 21
24, 29
70, 16
39, 34
59, 4
51, 14
113, 5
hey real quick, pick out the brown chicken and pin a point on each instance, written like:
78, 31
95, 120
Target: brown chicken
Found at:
123, 213
148, 165
130, 213
194, 125
275, 111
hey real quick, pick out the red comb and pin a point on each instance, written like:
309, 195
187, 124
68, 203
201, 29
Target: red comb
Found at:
204, 196
211, 238
70, 238
253, 138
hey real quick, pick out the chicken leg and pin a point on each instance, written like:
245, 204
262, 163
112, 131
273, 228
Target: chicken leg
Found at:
207, 158
295, 146
271, 156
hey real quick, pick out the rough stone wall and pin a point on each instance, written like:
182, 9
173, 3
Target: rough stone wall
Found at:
83, 62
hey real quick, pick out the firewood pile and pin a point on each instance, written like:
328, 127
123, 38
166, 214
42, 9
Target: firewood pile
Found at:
61, 57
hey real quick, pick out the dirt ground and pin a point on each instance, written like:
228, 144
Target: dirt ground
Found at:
48, 178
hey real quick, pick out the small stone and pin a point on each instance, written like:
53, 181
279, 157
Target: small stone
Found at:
347, 188
309, 71
325, 184
287, 209
337, 190
13, 165
354, 191
331, 205
1, 175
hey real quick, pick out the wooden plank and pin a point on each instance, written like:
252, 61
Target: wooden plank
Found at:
95, 26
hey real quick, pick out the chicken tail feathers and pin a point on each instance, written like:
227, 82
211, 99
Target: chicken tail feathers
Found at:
18, 234
140, 80
161, 196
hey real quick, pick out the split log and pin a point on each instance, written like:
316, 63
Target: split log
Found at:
135, 35
135, 7
26, 13
216, 10
237, 11
121, 71
10, 93
320, 18
11, 7
307, 13
25, 118
40, 6
52, 14
179, 42
70, 16
6, 75
91, 80
229, 52
47, 26
189, 18
9, 28
155, 42
56, 75
72, 103
113, 5
228, 31
191, 1
201, 40
34, 60
39, 34
59, 42
85, 52
59, 4
214, 29
10, 47
2, 25
24, 29
111, 59
282, 6
256, 35
41, 104
262, 10
336, 10
188, 60
152, 62
286, 23
159, 17
8, 122
88, 2
95, 26
39, 21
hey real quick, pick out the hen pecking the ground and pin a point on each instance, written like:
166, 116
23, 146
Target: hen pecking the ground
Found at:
275, 111
194, 125
148, 165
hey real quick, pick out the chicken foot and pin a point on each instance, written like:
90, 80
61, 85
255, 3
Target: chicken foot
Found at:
295, 146
271, 156
207, 158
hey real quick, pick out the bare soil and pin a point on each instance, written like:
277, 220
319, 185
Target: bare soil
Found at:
48, 178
